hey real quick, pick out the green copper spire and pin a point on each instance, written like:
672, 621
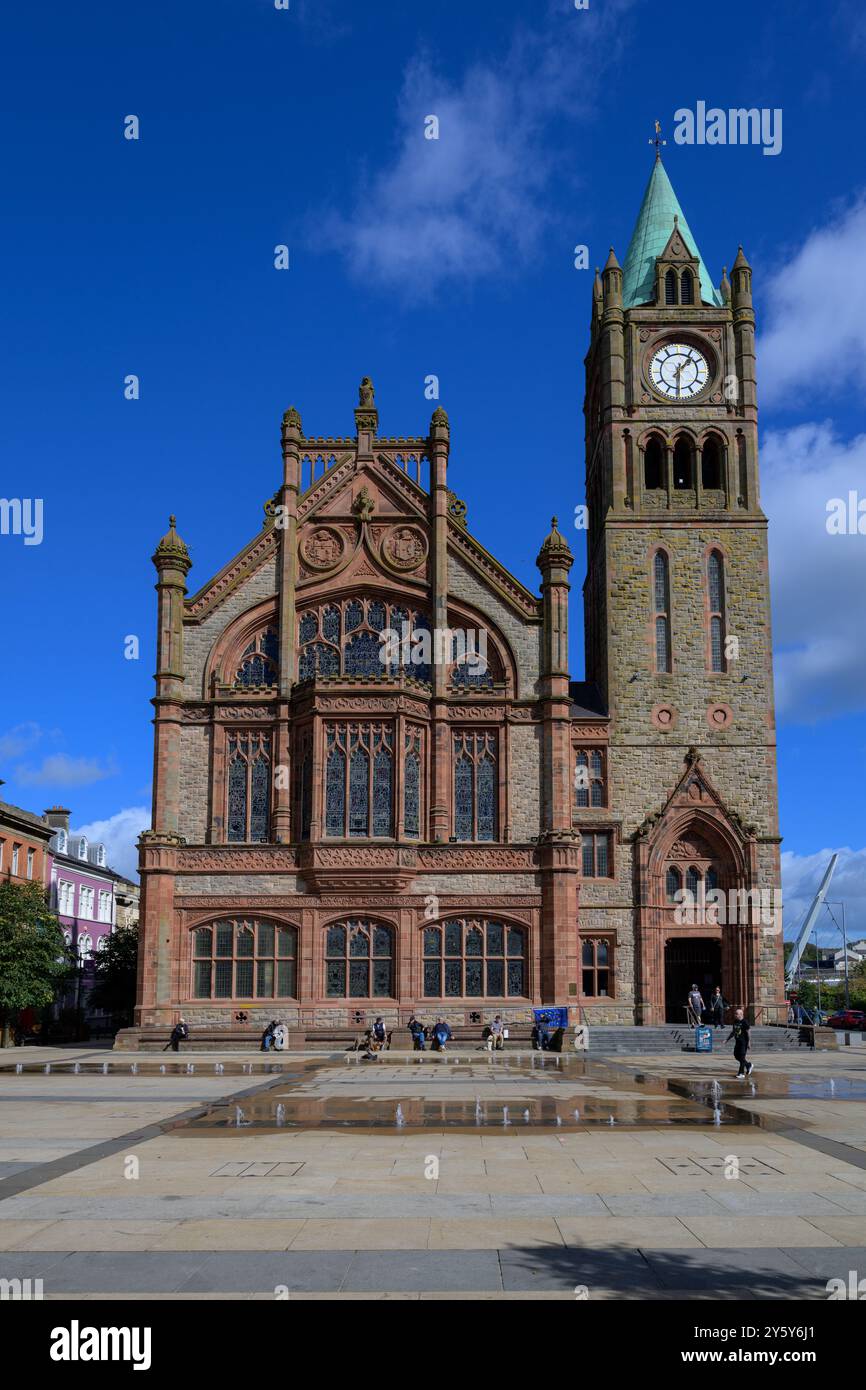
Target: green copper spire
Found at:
655, 222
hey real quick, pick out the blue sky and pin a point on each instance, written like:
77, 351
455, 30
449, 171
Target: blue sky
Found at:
261, 126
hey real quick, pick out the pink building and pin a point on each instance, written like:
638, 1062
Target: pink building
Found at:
83, 892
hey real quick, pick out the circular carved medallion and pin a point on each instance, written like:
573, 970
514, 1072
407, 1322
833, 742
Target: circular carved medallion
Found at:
663, 716
404, 547
323, 548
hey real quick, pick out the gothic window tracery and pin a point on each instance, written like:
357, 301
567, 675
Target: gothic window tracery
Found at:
589, 782
475, 958
259, 661
476, 772
248, 786
412, 766
352, 637
359, 780
359, 960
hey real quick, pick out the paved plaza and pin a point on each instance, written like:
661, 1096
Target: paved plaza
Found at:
458, 1177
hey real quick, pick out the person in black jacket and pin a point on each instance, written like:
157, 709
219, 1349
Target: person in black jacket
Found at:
268, 1036
179, 1034
416, 1028
718, 1004
742, 1043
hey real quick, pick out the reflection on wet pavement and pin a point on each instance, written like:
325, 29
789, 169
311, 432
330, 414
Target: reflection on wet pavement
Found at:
492, 1095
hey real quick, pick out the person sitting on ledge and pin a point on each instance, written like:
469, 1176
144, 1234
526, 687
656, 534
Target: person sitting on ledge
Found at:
496, 1035
441, 1035
418, 1032
377, 1036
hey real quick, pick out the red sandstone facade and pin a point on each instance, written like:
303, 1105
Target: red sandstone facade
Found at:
343, 829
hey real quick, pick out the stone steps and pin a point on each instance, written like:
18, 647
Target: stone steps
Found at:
645, 1040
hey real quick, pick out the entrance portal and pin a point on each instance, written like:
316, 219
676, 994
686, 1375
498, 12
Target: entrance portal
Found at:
688, 962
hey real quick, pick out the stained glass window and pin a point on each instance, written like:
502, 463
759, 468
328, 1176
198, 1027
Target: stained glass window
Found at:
412, 785
237, 808
693, 880
259, 661
673, 883
331, 624
363, 654
476, 792
359, 792
359, 960
237, 961
260, 799
359, 780
474, 958
335, 793
464, 779
382, 793
248, 796
304, 781
346, 638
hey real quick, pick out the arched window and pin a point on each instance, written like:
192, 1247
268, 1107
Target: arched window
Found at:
85, 944
412, 783
589, 778
359, 780
473, 958
693, 883
711, 464
687, 290
671, 296
249, 787
476, 775
244, 958
259, 661
716, 604
363, 637
673, 884
359, 960
683, 464
662, 610
711, 879
654, 464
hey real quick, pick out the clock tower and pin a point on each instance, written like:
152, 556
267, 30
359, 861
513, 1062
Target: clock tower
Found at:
677, 612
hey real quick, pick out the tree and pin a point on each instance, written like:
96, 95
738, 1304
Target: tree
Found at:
116, 967
34, 957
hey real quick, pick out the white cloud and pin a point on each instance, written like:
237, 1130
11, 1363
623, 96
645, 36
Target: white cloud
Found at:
119, 833
816, 315
63, 771
473, 203
817, 579
19, 740
801, 878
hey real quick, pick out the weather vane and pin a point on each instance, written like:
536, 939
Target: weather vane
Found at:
658, 141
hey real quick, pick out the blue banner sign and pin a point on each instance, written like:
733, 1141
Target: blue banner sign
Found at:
554, 1018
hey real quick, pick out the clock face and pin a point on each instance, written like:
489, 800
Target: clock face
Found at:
678, 371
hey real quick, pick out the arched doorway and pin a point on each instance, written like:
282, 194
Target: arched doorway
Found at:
690, 961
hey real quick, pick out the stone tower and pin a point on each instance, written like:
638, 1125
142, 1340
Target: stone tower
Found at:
677, 611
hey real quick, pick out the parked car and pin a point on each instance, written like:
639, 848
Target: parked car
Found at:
848, 1018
